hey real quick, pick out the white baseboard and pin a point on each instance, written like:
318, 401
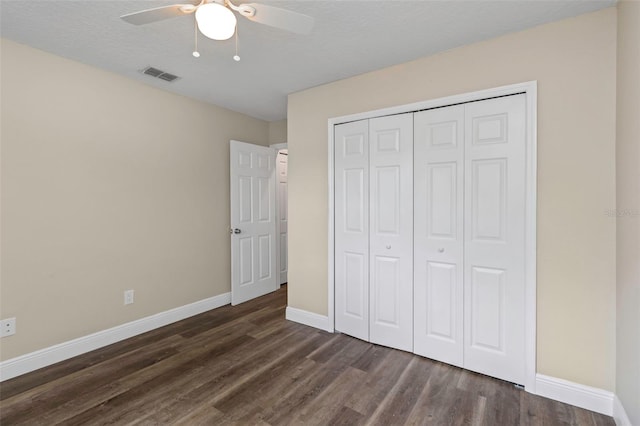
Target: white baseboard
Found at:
308, 318
587, 397
56, 353
619, 413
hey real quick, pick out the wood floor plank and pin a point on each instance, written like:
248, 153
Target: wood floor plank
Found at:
347, 417
192, 359
318, 379
183, 381
438, 401
210, 392
371, 358
403, 396
378, 383
41, 399
329, 402
247, 365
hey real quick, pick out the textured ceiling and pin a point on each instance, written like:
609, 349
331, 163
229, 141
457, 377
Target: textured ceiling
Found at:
349, 38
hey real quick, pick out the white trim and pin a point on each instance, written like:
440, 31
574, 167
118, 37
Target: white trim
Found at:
530, 89
511, 89
619, 414
308, 318
587, 397
279, 146
530, 238
331, 216
44, 357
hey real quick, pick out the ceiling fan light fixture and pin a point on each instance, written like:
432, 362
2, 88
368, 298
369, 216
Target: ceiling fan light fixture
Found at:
215, 21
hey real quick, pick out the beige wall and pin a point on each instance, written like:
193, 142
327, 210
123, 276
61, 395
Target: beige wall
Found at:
107, 185
574, 62
628, 207
278, 132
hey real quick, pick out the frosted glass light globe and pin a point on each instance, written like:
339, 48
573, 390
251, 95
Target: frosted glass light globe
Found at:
216, 21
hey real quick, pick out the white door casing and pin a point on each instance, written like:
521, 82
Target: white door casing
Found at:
391, 231
253, 221
438, 234
494, 276
352, 228
283, 222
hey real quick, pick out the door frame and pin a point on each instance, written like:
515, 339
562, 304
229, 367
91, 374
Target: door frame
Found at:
530, 89
277, 147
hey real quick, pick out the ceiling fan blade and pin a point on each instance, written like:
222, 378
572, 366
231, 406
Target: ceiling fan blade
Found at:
158, 14
280, 18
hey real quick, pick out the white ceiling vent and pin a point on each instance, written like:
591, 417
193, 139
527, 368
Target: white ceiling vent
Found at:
155, 72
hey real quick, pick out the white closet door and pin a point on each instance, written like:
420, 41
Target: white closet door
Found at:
494, 237
438, 238
391, 236
352, 228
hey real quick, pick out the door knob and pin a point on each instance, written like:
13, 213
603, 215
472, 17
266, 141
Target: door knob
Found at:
441, 249
234, 231
388, 246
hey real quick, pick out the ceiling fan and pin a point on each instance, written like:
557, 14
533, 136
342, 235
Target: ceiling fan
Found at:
216, 20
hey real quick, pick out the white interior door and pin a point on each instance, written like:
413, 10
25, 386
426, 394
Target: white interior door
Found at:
253, 221
391, 233
352, 228
438, 234
283, 222
494, 278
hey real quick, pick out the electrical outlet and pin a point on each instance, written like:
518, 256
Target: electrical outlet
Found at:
128, 297
7, 327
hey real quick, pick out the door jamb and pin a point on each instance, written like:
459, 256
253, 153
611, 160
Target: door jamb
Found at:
277, 147
530, 89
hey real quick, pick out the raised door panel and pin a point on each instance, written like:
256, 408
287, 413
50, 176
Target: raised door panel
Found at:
487, 309
386, 292
354, 209
245, 199
387, 204
351, 200
440, 301
284, 258
246, 260
494, 237
355, 288
489, 199
442, 200
264, 256
438, 239
391, 225
264, 196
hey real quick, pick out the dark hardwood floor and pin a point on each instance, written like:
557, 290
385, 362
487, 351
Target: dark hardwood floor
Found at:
248, 365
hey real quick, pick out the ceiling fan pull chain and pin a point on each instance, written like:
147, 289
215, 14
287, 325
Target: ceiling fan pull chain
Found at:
236, 57
196, 54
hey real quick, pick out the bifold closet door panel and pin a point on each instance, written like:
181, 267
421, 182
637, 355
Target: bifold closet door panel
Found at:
391, 233
438, 234
351, 194
494, 278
